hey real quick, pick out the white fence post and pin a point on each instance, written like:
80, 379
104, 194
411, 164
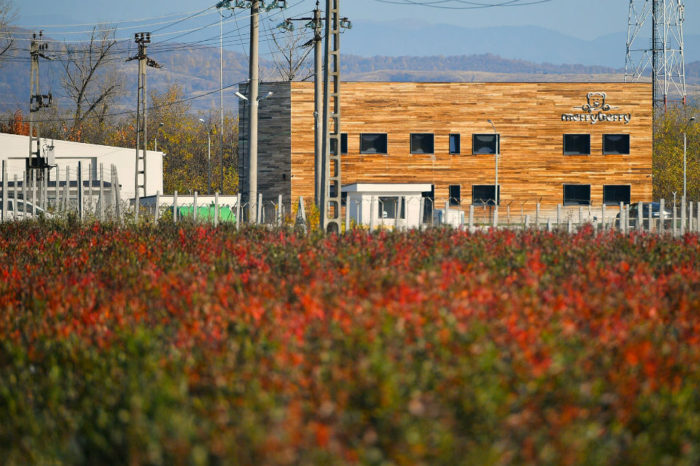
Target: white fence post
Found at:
80, 191
537, 216
640, 217
101, 199
14, 199
471, 218
33, 193
348, 203
4, 215
156, 210
216, 209
175, 209
238, 211
683, 216
371, 213
558, 215
279, 210
194, 208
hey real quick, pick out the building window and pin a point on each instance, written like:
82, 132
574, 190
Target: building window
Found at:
614, 194
422, 143
343, 144
485, 143
577, 144
455, 144
577, 194
485, 194
389, 205
373, 143
455, 194
616, 144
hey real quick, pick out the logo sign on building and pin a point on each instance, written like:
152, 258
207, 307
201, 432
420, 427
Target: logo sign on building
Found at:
597, 110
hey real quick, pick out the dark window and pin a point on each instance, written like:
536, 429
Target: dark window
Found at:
343, 144
389, 205
614, 194
485, 143
455, 194
577, 194
485, 194
455, 144
614, 144
422, 143
373, 143
577, 144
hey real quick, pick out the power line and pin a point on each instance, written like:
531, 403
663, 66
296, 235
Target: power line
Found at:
464, 4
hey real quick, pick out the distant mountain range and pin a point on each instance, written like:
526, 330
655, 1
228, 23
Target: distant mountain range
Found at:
529, 43
377, 52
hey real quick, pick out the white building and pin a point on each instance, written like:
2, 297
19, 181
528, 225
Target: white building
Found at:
15, 149
384, 204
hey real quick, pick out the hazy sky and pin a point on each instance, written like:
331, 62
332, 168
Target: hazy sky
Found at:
580, 18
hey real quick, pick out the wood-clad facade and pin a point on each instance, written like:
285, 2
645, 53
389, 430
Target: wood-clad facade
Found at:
531, 119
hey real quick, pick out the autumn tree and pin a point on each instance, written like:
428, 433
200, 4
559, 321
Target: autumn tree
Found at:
183, 138
669, 128
16, 124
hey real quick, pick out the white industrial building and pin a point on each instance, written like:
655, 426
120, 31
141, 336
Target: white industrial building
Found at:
14, 150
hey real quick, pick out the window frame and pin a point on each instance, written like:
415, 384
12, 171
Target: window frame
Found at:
481, 203
454, 201
386, 144
381, 201
497, 148
458, 145
413, 151
617, 203
564, 152
629, 144
575, 203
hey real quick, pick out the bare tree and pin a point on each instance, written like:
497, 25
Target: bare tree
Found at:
7, 14
90, 79
293, 49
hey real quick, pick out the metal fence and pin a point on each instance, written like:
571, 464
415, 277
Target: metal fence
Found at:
88, 193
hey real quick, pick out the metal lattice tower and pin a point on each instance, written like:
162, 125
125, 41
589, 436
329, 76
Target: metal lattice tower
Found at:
655, 40
331, 185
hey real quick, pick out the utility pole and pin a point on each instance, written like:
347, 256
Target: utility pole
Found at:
142, 39
37, 102
316, 24
253, 86
221, 102
330, 218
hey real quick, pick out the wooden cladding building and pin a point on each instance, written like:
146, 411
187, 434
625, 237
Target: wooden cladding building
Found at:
572, 144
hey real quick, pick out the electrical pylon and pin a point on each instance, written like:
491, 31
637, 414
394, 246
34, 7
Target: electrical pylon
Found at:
659, 23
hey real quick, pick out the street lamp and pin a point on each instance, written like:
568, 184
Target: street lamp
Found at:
685, 162
208, 157
155, 144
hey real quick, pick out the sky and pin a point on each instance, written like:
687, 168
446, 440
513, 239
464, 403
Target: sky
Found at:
578, 18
